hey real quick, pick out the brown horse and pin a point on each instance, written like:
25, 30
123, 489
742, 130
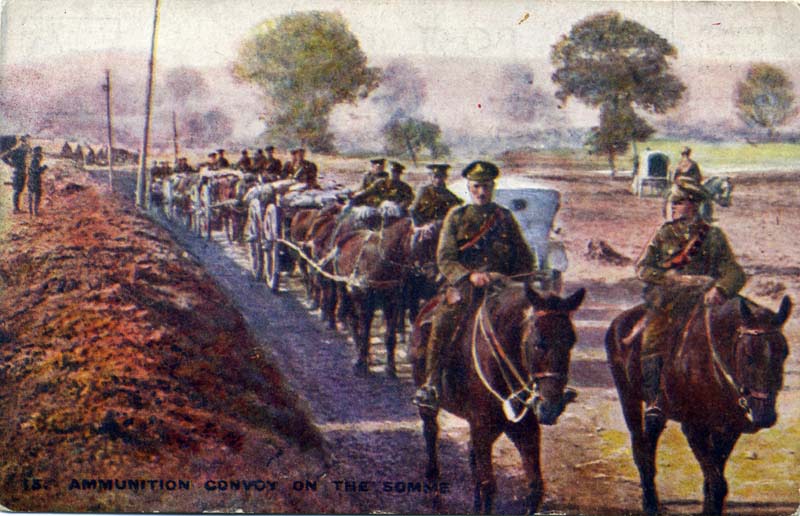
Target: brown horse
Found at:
721, 380
505, 372
376, 265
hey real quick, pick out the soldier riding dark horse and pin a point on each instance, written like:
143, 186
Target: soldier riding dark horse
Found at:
695, 352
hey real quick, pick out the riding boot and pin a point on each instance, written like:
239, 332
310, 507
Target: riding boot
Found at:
427, 395
654, 418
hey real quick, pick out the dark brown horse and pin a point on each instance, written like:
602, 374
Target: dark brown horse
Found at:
505, 372
721, 380
373, 267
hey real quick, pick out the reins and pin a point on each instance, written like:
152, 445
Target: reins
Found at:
526, 392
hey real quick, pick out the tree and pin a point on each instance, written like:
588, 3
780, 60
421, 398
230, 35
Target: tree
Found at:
402, 90
764, 98
305, 63
522, 102
617, 128
411, 135
609, 62
209, 128
185, 82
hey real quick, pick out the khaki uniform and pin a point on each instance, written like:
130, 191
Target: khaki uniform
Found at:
385, 190
306, 172
371, 178
688, 168
473, 239
433, 203
670, 303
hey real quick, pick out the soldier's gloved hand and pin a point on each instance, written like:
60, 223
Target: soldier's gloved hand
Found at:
714, 297
480, 279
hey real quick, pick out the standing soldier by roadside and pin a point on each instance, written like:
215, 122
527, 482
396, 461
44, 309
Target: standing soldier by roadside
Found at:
35, 181
19, 158
434, 200
477, 239
272, 170
376, 173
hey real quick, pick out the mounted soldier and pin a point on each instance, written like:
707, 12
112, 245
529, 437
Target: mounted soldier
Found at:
304, 171
222, 161
387, 189
688, 261
376, 173
245, 163
272, 166
434, 200
476, 240
687, 167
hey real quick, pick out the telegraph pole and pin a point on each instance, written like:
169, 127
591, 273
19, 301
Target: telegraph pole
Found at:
175, 135
107, 89
142, 184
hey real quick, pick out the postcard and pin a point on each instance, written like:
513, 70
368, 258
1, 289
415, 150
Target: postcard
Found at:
348, 256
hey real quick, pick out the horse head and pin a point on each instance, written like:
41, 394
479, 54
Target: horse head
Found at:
548, 337
760, 351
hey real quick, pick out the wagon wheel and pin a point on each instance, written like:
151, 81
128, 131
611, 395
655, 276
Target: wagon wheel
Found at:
273, 224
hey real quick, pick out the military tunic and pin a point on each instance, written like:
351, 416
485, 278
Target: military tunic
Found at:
688, 168
35, 174
306, 172
272, 168
433, 203
19, 160
385, 190
371, 178
669, 302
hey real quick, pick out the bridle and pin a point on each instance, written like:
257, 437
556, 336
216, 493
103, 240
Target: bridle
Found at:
524, 392
741, 391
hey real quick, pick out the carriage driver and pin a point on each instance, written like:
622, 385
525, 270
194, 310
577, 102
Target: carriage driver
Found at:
476, 239
686, 261
434, 200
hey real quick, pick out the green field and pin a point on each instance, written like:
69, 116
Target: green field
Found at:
734, 155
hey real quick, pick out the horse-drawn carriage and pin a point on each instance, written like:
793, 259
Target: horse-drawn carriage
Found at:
653, 179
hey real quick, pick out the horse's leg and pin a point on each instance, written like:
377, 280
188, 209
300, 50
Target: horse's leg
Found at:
712, 450
391, 313
328, 302
365, 311
482, 437
643, 446
525, 436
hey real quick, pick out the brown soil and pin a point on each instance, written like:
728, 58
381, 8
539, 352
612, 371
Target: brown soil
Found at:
121, 359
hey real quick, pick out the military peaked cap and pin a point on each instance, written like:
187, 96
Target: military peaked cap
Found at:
397, 166
269, 148
481, 171
438, 169
378, 161
687, 189
297, 149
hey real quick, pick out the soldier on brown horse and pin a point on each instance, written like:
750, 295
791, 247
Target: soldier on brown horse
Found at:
504, 372
695, 352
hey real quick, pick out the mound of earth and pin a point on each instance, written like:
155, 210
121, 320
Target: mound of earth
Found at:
128, 382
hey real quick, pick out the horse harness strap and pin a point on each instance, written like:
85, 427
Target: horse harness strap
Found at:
720, 365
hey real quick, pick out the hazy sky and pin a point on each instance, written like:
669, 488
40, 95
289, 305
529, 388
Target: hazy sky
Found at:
207, 32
